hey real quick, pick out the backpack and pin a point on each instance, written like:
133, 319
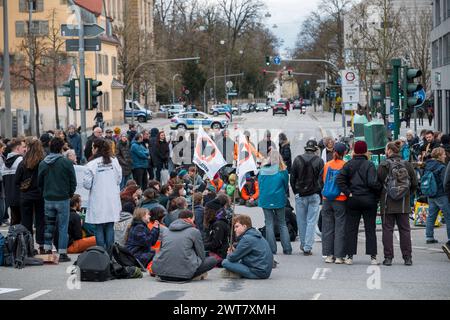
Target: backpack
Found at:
309, 183
2, 248
428, 185
19, 248
330, 189
397, 182
124, 257
94, 265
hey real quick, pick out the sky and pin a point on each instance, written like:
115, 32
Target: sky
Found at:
288, 15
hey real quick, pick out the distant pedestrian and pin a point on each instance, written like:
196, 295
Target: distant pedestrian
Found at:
140, 156
96, 134
161, 158
285, 151
430, 114
74, 140
266, 145
123, 155
420, 114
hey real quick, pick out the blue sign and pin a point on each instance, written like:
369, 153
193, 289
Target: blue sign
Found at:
277, 60
420, 94
338, 81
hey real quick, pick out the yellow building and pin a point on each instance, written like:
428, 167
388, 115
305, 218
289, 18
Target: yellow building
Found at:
100, 65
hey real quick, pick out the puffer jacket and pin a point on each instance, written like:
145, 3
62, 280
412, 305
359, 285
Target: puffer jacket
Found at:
254, 252
438, 169
182, 251
123, 155
140, 240
217, 236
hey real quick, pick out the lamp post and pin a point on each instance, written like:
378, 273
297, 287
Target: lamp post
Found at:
173, 86
222, 42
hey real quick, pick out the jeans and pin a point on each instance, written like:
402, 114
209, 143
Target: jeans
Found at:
284, 232
104, 235
239, 268
124, 181
208, 264
307, 209
436, 204
333, 228
57, 213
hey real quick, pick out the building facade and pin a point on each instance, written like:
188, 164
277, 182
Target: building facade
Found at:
440, 57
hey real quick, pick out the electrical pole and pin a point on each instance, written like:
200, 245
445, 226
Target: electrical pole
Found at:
6, 74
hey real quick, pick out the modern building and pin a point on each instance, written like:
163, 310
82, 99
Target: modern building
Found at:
440, 57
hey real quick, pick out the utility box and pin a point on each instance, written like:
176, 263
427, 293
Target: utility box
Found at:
375, 135
358, 127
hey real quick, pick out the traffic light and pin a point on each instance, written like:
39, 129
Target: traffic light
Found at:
410, 87
267, 61
379, 95
69, 91
94, 93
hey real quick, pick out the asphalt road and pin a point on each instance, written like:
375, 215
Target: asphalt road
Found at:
296, 278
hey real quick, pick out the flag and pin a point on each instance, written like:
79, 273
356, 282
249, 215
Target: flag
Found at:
206, 154
245, 162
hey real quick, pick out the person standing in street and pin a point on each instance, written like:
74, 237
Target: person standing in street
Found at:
74, 140
140, 157
333, 211
305, 175
102, 178
31, 201
123, 155
273, 183
430, 114
399, 180
161, 153
358, 181
58, 183
266, 145
285, 151
96, 134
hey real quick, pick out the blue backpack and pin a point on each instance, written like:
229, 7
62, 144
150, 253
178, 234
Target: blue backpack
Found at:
2, 248
428, 185
330, 189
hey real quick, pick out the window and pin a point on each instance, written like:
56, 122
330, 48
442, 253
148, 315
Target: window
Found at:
439, 110
36, 5
447, 108
106, 65
446, 49
448, 9
38, 28
435, 54
114, 65
437, 13
106, 101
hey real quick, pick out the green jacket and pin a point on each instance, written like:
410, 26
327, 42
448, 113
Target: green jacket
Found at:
57, 178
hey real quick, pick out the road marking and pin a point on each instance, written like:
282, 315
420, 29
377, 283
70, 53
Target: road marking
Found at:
36, 295
300, 136
316, 296
320, 273
8, 290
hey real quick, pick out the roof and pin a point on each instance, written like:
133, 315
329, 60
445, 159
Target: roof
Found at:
94, 6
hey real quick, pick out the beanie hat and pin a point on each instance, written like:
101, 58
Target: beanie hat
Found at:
214, 204
182, 173
45, 138
360, 147
117, 130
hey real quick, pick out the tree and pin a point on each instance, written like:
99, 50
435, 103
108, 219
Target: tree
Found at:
194, 79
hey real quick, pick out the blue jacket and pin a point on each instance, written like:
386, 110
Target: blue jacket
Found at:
438, 169
75, 142
139, 155
140, 240
405, 152
273, 187
254, 252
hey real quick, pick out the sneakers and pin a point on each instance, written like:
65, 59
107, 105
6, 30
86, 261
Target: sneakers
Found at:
387, 262
274, 264
63, 257
349, 260
432, 241
408, 261
374, 261
446, 248
339, 261
329, 259
307, 253
203, 276
227, 274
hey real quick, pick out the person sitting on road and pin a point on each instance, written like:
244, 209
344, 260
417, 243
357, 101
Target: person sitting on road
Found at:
163, 198
231, 186
252, 257
121, 226
157, 215
217, 183
182, 255
140, 238
150, 200
199, 210
250, 192
181, 205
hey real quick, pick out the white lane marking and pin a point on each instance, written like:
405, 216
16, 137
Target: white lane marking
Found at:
36, 295
316, 296
8, 290
320, 273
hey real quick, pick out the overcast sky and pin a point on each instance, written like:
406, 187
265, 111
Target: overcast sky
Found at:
288, 16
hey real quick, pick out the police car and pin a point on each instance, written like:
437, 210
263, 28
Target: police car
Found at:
192, 120
218, 109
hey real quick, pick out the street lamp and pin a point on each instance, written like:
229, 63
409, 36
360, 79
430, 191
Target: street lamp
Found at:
222, 42
173, 86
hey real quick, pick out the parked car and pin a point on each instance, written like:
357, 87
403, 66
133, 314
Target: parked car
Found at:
140, 113
262, 107
172, 109
219, 109
297, 104
192, 120
280, 107
245, 107
306, 103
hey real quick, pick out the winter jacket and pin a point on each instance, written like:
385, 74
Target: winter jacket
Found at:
121, 226
199, 212
226, 147
56, 178
172, 216
131, 134
251, 192
75, 143
253, 251
103, 181
388, 205
273, 187
140, 240
151, 204
263, 147
217, 187
327, 155
285, 152
182, 251
438, 169
88, 147
217, 236
405, 152
22, 174
163, 200
139, 155
123, 155
298, 174
9, 168
161, 153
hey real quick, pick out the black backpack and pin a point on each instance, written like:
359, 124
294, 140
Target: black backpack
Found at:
94, 265
309, 182
19, 248
124, 257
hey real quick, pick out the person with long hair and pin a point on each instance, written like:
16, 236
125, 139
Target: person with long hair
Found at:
217, 230
285, 150
102, 178
161, 154
31, 201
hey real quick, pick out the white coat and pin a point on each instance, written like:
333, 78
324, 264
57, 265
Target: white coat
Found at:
103, 183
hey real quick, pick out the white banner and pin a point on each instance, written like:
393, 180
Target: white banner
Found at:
245, 162
208, 158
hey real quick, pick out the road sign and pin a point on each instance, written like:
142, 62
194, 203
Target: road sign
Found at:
186, 92
232, 93
90, 30
89, 45
420, 94
350, 86
350, 94
277, 60
229, 84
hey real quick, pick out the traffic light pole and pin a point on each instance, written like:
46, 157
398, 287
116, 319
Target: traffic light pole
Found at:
396, 65
82, 83
6, 74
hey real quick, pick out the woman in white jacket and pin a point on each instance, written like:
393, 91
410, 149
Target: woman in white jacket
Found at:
102, 178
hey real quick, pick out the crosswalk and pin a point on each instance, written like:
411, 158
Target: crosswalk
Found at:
5, 291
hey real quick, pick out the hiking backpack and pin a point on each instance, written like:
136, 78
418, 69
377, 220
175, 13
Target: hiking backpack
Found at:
94, 265
19, 248
331, 189
308, 183
428, 185
397, 182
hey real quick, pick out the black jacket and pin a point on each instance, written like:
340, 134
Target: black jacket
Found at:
12, 192
298, 175
161, 153
285, 152
359, 177
123, 155
216, 237
22, 174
